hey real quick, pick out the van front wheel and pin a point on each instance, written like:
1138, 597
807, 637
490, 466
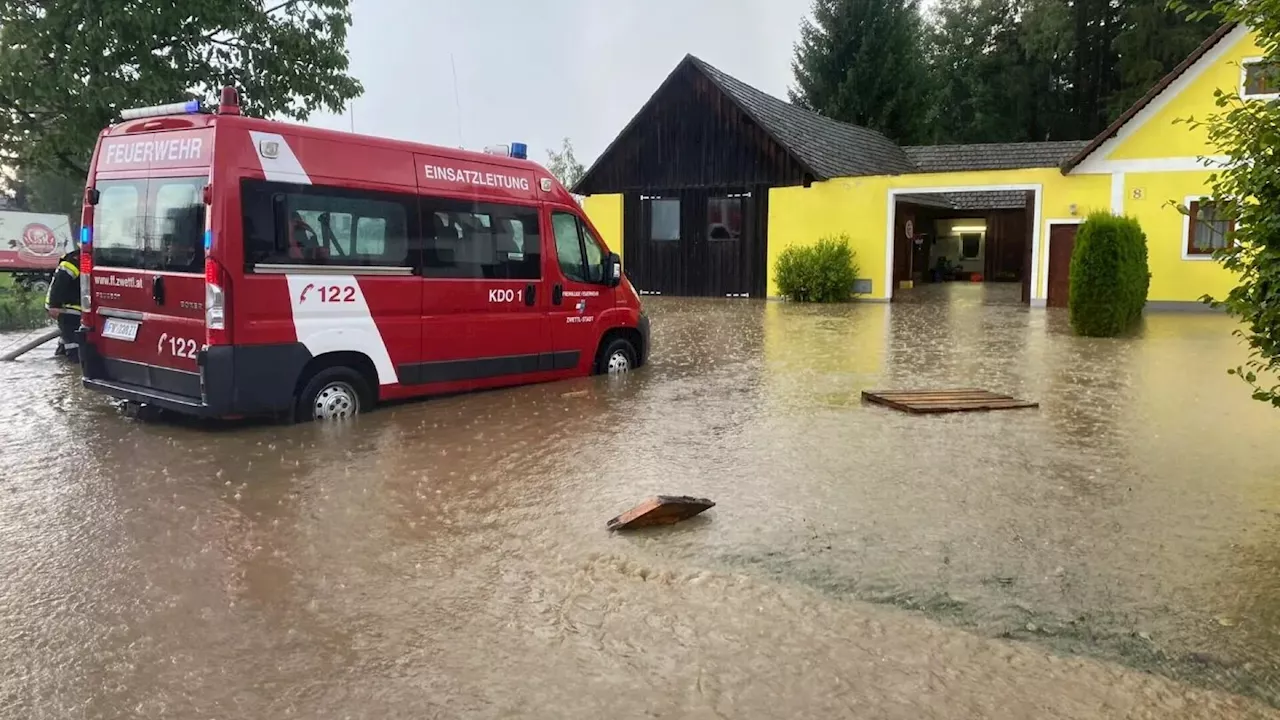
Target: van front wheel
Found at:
334, 394
616, 358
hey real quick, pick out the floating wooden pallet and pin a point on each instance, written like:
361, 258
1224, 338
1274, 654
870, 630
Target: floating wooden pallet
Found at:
945, 401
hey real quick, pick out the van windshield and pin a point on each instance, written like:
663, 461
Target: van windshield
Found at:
155, 224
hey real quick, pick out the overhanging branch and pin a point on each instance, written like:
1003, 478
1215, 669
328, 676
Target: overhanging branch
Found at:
214, 33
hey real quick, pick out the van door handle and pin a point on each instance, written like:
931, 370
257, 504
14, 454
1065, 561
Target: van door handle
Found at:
530, 294
157, 289
557, 294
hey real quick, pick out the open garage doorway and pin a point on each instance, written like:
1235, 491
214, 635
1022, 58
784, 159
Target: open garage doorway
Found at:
986, 236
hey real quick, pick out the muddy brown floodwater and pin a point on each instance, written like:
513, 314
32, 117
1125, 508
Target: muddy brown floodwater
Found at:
1114, 553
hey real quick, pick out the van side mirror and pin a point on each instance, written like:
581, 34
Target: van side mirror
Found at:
615, 270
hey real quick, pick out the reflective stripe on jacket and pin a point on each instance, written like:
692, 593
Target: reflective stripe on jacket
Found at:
64, 287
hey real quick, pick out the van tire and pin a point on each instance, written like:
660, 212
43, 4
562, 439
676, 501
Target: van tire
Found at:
334, 394
616, 356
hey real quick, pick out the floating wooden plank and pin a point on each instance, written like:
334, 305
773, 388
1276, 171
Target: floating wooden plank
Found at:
945, 401
660, 510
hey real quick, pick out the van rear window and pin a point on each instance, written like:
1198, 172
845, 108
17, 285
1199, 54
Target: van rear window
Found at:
154, 224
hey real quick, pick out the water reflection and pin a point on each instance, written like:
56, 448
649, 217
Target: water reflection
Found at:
448, 557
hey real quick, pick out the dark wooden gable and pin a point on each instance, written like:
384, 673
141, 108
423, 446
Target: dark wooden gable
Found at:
690, 134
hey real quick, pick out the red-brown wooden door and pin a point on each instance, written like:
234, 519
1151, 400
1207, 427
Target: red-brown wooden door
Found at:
1062, 240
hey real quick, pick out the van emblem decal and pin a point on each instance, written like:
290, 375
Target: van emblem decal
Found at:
278, 162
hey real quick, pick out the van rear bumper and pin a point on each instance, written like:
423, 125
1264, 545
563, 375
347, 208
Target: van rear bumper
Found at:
158, 398
232, 381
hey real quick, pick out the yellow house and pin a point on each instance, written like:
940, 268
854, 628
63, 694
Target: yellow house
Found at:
713, 178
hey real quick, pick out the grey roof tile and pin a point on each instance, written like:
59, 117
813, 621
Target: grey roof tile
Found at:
830, 148
992, 156
971, 200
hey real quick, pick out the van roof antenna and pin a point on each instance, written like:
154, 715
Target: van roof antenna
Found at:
457, 102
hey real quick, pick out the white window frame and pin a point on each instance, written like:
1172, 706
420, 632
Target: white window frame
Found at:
1244, 75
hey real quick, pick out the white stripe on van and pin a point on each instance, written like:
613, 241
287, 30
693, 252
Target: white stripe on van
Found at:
279, 163
330, 315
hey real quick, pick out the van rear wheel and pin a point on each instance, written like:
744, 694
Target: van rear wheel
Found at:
334, 394
616, 358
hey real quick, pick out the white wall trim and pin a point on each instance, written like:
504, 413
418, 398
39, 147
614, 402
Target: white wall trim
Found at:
892, 205
1048, 238
1244, 63
1176, 88
1117, 193
1153, 165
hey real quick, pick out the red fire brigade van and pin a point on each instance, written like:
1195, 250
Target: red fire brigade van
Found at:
234, 266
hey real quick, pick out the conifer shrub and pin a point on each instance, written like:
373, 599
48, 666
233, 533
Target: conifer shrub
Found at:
1109, 276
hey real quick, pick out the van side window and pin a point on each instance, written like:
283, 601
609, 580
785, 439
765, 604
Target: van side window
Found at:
289, 224
580, 255
593, 255
477, 240
568, 246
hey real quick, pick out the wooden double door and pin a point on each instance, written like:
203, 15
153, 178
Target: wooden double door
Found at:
707, 242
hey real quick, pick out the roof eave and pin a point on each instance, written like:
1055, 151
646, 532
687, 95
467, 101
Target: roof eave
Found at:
1128, 115
635, 119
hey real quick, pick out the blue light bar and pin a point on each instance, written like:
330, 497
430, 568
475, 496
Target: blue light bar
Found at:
189, 107
208, 240
519, 151
85, 236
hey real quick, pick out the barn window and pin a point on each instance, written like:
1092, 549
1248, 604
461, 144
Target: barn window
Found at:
724, 218
662, 216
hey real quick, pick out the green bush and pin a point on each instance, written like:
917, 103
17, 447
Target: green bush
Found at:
823, 272
1109, 276
20, 309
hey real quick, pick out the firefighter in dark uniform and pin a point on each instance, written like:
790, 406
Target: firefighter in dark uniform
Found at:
63, 302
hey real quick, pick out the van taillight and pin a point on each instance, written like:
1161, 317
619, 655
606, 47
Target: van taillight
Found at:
215, 304
86, 269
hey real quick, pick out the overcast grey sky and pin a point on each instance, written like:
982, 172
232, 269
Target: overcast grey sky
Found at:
536, 72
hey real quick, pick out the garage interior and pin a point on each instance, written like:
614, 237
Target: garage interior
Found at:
971, 237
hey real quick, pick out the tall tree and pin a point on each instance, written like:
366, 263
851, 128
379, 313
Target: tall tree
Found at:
996, 65
48, 192
1154, 38
67, 67
1092, 75
860, 61
1032, 70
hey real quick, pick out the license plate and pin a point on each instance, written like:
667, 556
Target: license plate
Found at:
126, 330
